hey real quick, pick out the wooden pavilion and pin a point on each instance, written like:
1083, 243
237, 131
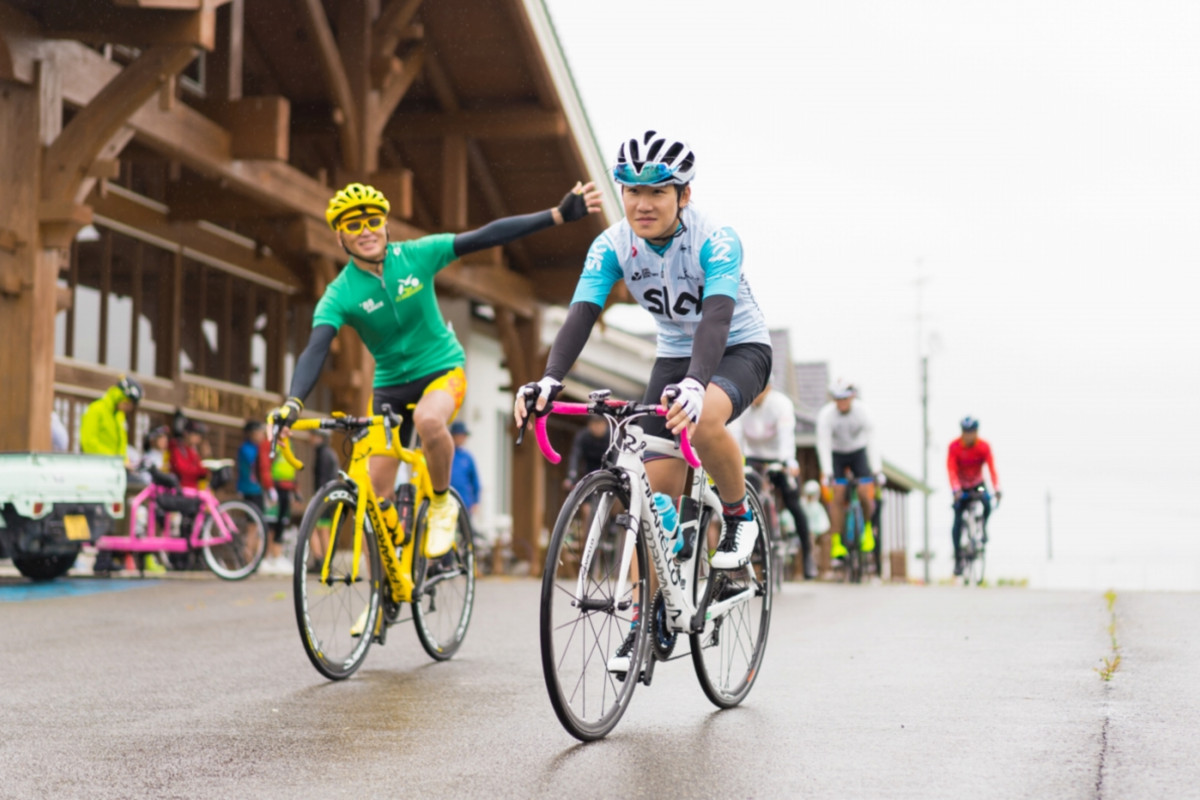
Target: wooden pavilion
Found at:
165, 166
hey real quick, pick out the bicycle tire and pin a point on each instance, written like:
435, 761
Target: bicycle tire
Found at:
974, 568
588, 699
239, 558
853, 544
444, 595
713, 654
328, 613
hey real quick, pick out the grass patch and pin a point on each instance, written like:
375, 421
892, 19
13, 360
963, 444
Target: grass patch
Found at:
1112, 662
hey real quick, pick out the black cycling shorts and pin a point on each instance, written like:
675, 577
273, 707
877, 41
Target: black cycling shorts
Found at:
742, 374
856, 461
403, 395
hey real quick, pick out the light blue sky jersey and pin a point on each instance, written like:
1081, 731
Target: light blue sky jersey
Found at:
706, 260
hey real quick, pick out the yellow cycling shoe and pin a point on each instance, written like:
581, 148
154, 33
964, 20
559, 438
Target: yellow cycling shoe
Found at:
836, 550
868, 542
152, 566
443, 522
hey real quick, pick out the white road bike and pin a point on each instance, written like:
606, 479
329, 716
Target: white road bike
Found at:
974, 538
598, 564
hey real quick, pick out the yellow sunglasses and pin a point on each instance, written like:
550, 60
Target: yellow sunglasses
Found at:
355, 225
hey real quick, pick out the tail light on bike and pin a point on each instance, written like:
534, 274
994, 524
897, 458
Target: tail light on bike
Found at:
118, 509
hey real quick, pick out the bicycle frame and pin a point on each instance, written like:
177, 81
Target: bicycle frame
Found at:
398, 566
154, 543
629, 443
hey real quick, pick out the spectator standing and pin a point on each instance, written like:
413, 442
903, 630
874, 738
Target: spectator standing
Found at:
254, 470
464, 476
104, 431
283, 475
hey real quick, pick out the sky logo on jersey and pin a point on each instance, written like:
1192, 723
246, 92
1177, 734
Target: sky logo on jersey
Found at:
408, 287
595, 257
371, 306
721, 245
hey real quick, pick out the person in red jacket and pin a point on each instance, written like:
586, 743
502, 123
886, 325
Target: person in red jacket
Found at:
965, 462
185, 454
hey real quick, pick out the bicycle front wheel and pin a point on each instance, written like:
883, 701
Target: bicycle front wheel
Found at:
337, 609
239, 557
445, 587
727, 653
585, 615
854, 554
973, 571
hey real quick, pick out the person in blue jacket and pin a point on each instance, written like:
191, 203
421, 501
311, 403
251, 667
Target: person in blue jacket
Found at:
464, 476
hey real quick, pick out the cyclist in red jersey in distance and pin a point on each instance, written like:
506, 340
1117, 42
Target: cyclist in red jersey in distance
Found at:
965, 463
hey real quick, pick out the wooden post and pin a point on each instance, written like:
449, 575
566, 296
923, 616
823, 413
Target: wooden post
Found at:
29, 116
528, 493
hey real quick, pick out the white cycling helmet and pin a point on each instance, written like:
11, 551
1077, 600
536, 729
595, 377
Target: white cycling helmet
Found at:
652, 159
812, 487
842, 389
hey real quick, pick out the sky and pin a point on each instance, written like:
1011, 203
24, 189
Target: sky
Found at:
1036, 163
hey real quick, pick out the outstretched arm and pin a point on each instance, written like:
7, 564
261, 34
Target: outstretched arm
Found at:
578, 203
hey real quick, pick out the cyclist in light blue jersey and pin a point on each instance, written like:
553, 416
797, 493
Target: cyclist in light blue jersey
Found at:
714, 352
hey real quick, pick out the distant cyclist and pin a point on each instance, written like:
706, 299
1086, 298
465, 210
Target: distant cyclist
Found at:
965, 462
587, 450
844, 431
386, 293
713, 352
767, 435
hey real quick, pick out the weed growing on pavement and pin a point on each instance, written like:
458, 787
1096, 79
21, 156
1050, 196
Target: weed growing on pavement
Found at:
1111, 662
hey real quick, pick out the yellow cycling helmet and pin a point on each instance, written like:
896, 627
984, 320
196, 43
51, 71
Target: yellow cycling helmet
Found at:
355, 195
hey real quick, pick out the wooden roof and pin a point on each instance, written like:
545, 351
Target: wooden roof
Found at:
479, 116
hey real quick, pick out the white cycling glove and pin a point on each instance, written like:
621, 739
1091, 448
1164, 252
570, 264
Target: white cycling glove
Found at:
547, 388
689, 394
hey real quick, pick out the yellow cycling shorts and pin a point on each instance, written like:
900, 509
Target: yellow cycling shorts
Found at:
404, 398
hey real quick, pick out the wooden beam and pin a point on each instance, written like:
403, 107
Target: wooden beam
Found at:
178, 5
225, 64
391, 25
493, 285
395, 87
454, 183
259, 126
521, 123
123, 209
100, 22
337, 83
493, 198
73, 151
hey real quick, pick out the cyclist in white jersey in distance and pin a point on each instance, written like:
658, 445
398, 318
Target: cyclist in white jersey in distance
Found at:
844, 431
713, 351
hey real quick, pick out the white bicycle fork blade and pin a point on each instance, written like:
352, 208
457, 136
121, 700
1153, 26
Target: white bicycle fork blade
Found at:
593, 539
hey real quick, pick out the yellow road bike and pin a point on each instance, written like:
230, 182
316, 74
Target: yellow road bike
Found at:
360, 562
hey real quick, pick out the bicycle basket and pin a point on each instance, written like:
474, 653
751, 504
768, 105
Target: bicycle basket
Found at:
178, 502
219, 477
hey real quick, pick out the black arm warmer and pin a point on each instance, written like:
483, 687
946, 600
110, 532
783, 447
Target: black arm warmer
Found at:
571, 338
310, 362
712, 334
502, 231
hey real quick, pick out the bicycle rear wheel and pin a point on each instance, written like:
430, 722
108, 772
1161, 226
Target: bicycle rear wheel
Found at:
728, 651
445, 587
239, 557
581, 630
336, 614
973, 570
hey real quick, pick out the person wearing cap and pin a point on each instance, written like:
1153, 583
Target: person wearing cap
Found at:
104, 431
813, 508
464, 475
844, 444
965, 461
386, 293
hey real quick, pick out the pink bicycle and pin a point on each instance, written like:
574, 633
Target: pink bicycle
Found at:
232, 536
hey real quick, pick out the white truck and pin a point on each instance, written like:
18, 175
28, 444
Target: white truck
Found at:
51, 504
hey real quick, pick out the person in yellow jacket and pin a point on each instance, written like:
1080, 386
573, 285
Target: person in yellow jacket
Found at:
103, 431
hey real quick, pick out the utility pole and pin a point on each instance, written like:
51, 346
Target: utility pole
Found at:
923, 355
1049, 541
925, 458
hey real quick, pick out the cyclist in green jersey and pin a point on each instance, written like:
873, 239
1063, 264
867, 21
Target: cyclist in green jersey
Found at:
386, 294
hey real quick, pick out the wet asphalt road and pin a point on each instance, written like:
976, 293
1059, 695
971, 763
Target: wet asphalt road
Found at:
191, 687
